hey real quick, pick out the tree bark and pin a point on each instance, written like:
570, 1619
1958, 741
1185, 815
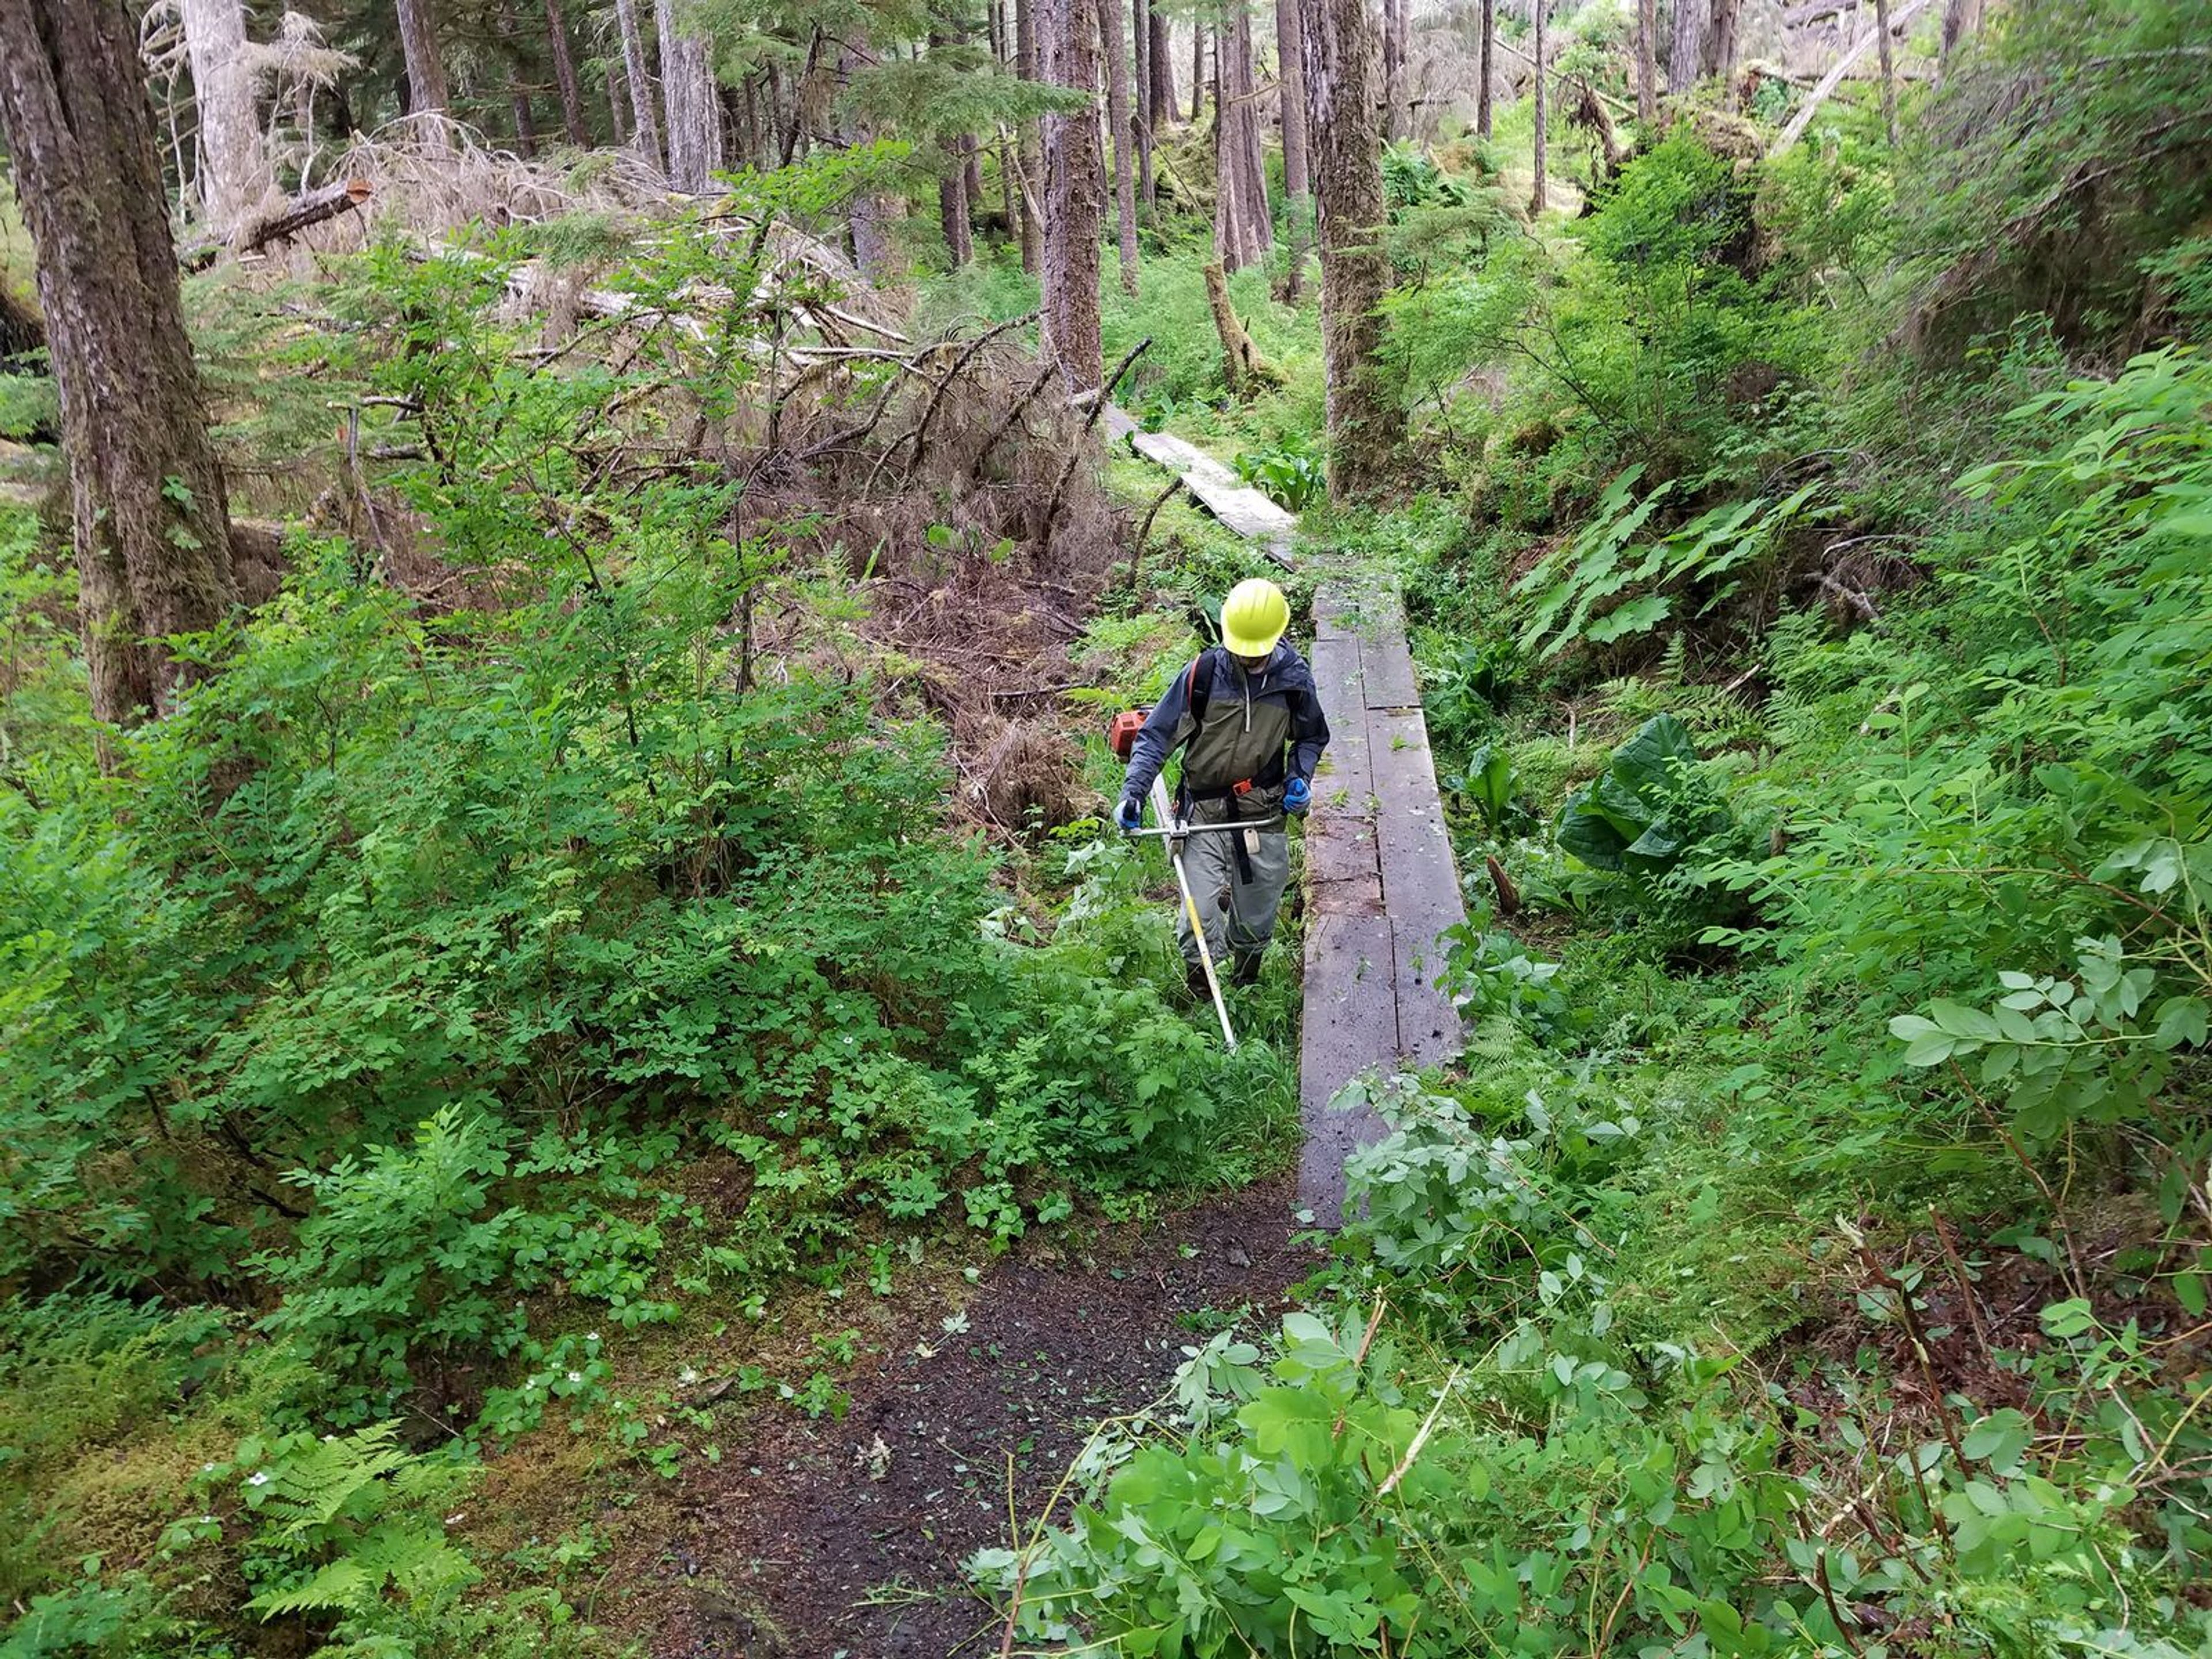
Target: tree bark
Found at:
637, 76
1393, 69
694, 105
152, 522
1343, 89
1164, 112
1689, 48
1487, 70
1962, 20
1242, 231
620, 111
1536, 202
1145, 116
1719, 53
1297, 186
1120, 124
1241, 366
1888, 70
1028, 148
236, 180
426, 63
1197, 71
1075, 196
1647, 69
564, 76
873, 248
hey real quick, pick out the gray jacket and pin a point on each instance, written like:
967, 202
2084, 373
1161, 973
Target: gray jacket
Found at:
1264, 728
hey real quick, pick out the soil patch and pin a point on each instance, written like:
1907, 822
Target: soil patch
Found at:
814, 1538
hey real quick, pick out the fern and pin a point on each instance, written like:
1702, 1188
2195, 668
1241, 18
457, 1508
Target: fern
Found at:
348, 1520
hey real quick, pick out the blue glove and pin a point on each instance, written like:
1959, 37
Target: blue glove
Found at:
1129, 815
1298, 795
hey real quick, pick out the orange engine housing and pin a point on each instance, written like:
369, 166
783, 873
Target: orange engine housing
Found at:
1122, 732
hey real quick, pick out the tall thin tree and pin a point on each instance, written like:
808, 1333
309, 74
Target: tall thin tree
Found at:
1719, 53
1164, 112
1343, 76
152, 520
1141, 111
637, 76
1647, 69
236, 179
1122, 126
1197, 71
1393, 69
1686, 54
564, 76
1888, 70
1536, 202
1075, 195
1029, 150
1297, 186
1242, 231
694, 103
426, 60
1486, 68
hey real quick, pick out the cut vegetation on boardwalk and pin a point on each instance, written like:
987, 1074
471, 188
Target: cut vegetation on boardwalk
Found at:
587, 1071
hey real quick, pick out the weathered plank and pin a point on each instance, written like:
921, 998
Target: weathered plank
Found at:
1345, 782
1351, 1026
1420, 880
1387, 672
1213, 486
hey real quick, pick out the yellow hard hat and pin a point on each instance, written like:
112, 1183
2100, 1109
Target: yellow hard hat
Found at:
1254, 616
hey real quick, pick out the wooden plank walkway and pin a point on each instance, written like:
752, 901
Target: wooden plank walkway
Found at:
1381, 883
1213, 486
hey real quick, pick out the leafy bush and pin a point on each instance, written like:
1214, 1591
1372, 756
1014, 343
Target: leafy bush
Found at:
1648, 810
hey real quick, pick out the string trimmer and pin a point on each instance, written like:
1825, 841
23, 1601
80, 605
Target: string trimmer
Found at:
1171, 831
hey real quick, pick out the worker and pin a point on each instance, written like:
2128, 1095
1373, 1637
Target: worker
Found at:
1249, 724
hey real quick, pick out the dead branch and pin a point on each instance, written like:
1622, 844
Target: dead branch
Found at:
1021, 405
1075, 450
286, 221
921, 433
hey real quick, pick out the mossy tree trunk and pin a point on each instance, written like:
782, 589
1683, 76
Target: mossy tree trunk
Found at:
152, 521
1343, 93
1075, 195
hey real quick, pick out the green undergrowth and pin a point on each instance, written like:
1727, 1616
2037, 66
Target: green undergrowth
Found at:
1810, 1253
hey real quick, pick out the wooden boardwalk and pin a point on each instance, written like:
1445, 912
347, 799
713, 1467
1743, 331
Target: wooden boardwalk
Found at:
1213, 486
1381, 883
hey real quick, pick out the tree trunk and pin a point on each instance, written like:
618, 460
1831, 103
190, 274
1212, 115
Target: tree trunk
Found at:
1075, 196
1297, 186
1119, 122
236, 180
1487, 69
637, 74
873, 249
426, 63
1962, 20
1243, 230
953, 208
1164, 112
1197, 71
1719, 54
695, 107
1145, 116
1888, 70
1343, 89
526, 123
564, 76
1243, 368
1028, 148
1688, 49
1542, 159
151, 518
1393, 69
620, 112
1647, 70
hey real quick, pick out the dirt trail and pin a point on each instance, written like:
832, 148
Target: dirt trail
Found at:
810, 1540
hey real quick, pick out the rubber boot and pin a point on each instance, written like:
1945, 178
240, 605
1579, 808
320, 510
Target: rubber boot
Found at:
1194, 978
1247, 971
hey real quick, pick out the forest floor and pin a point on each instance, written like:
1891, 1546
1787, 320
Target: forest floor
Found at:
847, 1535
